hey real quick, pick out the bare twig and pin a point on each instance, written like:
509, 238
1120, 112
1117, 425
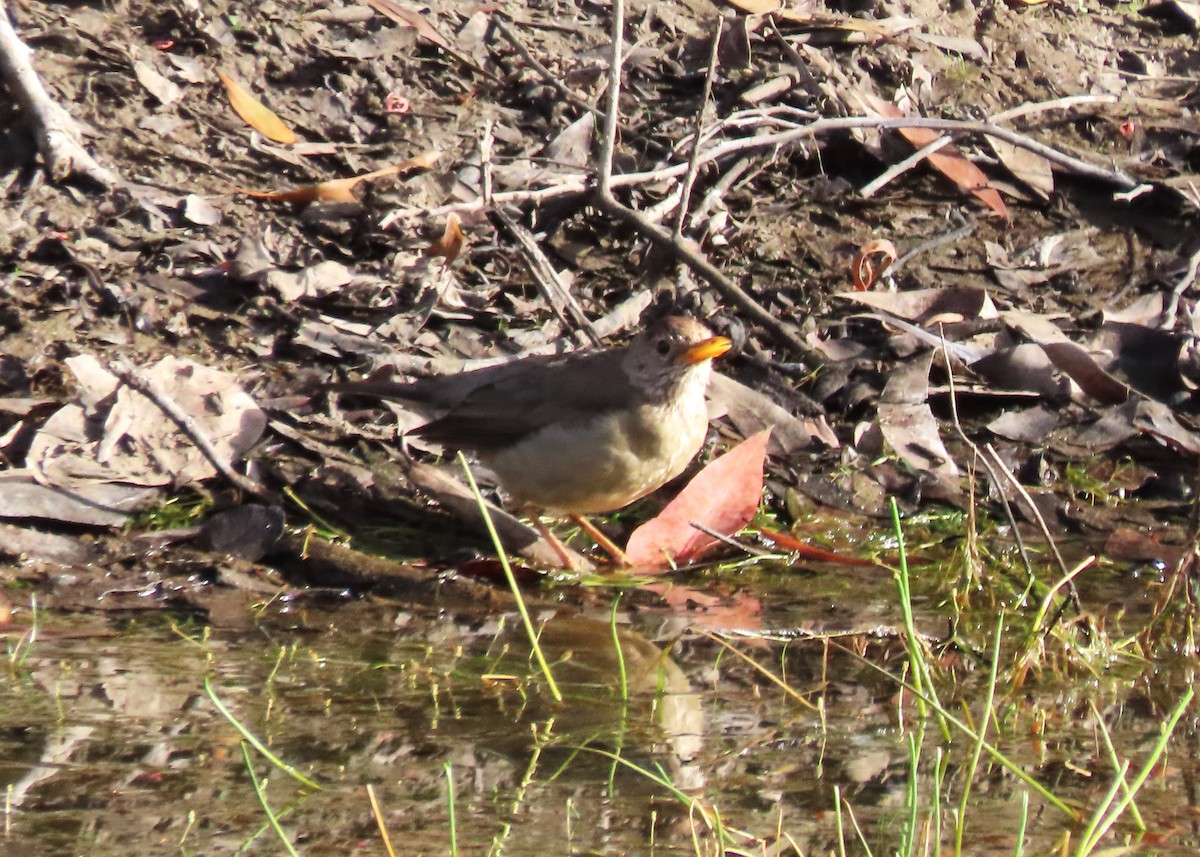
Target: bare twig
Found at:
732, 292
58, 137
891, 173
612, 113
578, 184
901, 167
1181, 286
137, 380
485, 160
689, 178
676, 244
721, 186
545, 73
997, 482
624, 315
811, 86
729, 540
1036, 514
957, 233
554, 291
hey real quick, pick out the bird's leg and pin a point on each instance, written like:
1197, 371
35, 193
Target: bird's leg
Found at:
568, 561
606, 544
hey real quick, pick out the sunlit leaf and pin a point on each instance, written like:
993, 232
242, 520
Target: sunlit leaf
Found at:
342, 190
450, 244
722, 497
871, 262
948, 160
255, 113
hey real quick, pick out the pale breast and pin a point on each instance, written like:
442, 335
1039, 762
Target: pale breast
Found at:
608, 463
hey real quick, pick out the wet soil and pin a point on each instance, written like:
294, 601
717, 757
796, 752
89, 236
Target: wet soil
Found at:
382, 666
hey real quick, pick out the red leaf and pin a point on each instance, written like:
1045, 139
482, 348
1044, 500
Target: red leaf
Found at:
724, 497
737, 612
804, 550
948, 161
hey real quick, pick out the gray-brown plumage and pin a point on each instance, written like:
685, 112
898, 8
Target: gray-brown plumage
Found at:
586, 432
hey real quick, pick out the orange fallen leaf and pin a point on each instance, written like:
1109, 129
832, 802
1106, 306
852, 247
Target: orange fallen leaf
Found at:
737, 612
863, 268
723, 497
342, 190
804, 550
948, 160
450, 244
256, 114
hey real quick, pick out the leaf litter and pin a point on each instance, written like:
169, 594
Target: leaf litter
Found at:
1041, 301
1027, 304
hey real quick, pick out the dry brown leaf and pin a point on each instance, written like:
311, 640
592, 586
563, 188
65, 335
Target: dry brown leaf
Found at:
135, 444
255, 113
864, 271
450, 244
922, 305
166, 91
1082, 368
342, 190
948, 160
406, 17
1028, 167
907, 424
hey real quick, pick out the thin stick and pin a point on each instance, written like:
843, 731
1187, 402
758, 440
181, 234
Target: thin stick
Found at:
732, 292
612, 114
953, 235
891, 173
729, 540
1181, 286
549, 282
577, 184
997, 482
1041, 522
689, 178
548, 76
137, 380
59, 140
901, 167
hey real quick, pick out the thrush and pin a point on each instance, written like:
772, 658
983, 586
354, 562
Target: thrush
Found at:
582, 433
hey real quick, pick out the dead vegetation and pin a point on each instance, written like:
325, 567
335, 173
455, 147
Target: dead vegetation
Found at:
295, 192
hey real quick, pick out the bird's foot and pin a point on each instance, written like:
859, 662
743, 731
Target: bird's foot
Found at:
606, 544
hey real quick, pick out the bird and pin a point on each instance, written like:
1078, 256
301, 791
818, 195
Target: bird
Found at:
583, 433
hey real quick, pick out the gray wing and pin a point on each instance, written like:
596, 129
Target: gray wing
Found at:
503, 409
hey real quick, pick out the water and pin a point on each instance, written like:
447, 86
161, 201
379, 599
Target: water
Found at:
109, 744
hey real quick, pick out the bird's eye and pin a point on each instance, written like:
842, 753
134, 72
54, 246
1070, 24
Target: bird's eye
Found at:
662, 347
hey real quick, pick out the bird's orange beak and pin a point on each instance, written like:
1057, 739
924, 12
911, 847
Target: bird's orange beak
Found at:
706, 350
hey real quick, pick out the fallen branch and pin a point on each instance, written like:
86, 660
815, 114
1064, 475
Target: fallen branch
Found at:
58, 137
579, 184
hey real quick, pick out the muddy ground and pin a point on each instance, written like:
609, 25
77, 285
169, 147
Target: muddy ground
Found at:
1053, 283
1025, 365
